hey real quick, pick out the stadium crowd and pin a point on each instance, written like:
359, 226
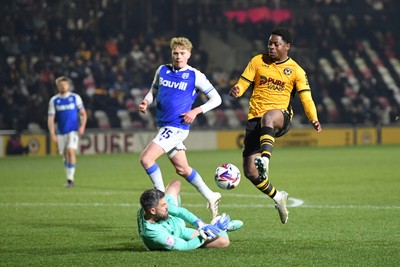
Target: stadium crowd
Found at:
111, 53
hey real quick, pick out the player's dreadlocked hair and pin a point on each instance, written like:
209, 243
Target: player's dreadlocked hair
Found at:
150, 198
284, 33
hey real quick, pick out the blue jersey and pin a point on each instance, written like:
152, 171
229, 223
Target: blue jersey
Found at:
176, 92
66, 111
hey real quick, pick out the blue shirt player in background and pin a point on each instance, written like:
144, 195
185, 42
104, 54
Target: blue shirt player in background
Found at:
175, 87
66, 110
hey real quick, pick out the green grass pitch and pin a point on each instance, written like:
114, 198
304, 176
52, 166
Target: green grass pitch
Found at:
344, 210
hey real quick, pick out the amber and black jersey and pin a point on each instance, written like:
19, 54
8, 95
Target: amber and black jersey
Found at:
275, 85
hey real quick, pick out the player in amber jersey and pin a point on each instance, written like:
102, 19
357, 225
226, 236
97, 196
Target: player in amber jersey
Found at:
276, 78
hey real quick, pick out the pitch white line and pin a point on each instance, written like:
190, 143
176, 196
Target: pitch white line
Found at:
264, 202
240, 206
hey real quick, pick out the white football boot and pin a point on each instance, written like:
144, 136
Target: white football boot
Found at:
281, 207
213, 203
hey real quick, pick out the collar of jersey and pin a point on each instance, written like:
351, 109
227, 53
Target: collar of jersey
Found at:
184, 68
65, 96
281, 62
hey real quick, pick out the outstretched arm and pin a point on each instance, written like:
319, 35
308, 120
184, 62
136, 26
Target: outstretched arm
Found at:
310, 109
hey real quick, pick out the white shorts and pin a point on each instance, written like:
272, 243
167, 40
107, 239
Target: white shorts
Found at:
69, 140
170, 139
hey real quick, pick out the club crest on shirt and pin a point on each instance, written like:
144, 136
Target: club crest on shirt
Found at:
287, 71
170, 241
185, 75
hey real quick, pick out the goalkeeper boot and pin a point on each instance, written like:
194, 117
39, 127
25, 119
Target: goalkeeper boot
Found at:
262, 167
213, 203
280, 205
234, 225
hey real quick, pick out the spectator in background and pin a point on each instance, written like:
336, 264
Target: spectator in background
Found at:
38, 42
137, 120
15, 146
111, 47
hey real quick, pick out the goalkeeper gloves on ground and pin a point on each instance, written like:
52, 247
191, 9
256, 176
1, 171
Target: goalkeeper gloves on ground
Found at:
221, 221
207, 231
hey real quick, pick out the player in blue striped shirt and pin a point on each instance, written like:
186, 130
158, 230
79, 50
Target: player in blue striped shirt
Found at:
175, 87
67, 112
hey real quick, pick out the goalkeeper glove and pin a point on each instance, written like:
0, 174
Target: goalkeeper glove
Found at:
207, 231
221, 221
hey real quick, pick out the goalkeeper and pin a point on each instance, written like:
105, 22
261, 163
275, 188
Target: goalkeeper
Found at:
162, 223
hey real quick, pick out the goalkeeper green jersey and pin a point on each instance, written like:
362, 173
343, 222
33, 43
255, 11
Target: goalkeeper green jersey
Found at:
170, 234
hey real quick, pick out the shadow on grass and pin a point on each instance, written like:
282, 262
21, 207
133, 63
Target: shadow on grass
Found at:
101, 237
57, 249
70, 227
126, 247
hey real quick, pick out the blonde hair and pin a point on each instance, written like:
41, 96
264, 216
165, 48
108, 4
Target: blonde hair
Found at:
181, 42
62, 78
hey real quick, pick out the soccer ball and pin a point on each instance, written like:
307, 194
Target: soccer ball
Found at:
227, 176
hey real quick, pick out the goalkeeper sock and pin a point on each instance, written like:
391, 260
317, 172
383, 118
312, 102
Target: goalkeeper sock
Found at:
155, 175
266, 187
267, 140
195, 179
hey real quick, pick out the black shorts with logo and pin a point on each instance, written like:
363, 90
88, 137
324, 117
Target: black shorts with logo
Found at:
253, 132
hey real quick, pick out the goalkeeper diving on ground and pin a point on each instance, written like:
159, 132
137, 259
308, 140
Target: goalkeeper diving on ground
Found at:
162, 223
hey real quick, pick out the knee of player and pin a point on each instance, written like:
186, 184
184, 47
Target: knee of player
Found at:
142, 160
270, 118
183, 171
145, 161
175, 183
70, 152
224, 242
251, 174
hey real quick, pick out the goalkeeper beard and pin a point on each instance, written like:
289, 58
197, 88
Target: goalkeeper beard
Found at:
161, 217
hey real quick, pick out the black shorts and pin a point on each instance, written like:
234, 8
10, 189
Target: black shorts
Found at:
253, 132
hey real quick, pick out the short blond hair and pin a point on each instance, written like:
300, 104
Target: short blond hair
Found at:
181, 42
62, 78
